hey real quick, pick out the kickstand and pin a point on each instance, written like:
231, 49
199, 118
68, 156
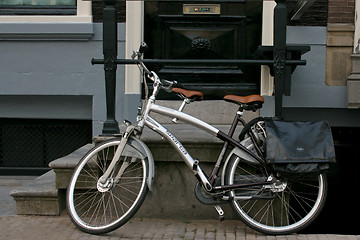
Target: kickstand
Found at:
220, 212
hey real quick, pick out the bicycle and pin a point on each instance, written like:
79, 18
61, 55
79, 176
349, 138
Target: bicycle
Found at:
111, 181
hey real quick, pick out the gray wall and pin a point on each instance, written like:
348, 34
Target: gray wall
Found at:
308, 88
45, 72
311, 99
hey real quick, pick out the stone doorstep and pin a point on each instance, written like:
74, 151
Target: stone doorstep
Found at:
63, 167
198, 143
38, 197
46, 196
43, 206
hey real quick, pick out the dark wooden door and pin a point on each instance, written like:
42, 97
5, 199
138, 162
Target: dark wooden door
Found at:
216, 30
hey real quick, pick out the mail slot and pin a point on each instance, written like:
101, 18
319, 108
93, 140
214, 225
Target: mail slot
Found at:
198, 30
201, 8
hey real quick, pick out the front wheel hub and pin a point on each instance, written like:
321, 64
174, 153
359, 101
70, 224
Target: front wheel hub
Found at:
106, 186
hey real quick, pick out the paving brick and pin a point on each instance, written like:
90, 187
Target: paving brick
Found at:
250, 236
38, 228
261, 237
301, 237
189, 235
230, 236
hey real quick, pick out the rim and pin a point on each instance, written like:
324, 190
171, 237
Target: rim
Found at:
76, 174
277, 229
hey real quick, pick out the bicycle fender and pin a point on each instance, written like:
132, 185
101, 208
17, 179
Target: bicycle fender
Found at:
145, 151
236, 152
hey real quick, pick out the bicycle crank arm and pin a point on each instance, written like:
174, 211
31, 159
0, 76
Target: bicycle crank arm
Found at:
220, 212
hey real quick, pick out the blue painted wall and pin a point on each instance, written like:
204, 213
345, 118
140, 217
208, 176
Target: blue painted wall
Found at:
46, 73
308, 88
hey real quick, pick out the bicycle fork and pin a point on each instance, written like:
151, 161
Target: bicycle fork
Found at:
104, 179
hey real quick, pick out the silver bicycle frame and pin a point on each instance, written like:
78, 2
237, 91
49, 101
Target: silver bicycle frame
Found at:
160, 129
157, 127
145, 119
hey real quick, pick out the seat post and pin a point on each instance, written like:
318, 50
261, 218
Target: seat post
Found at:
240, 111
181, 108
238, 118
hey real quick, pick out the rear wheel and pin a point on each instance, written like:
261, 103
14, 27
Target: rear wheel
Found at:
284, 207
99, 208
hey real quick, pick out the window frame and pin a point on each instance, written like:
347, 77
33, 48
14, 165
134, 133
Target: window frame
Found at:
77, 27
83, 14
37, 10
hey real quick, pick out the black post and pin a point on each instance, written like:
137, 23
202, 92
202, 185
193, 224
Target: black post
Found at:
111, 126
280, 21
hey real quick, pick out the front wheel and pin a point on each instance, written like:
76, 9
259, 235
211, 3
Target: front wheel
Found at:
98, 208
282, 208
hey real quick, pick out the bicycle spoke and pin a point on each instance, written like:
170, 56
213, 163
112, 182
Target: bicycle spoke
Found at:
271, 209
85, 200
89, 175
301, 199
84, 205
129, 191
122, 202
99, 208
115, 208
96, 210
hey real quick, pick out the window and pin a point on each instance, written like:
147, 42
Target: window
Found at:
38, 7
45, 20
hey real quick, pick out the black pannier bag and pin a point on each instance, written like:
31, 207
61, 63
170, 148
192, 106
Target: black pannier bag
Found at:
299, 148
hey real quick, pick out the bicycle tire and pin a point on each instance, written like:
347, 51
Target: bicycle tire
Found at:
98, 209
275, 213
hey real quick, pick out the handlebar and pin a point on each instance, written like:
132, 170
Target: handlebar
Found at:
137, 58
138, 54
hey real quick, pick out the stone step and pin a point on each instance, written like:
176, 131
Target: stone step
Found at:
64, 167
173, 185
39, 196
198, 143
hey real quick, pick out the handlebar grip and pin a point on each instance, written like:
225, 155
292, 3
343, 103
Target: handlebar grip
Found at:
143, 47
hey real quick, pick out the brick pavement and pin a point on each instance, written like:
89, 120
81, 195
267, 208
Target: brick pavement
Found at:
13, 227
61, 228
